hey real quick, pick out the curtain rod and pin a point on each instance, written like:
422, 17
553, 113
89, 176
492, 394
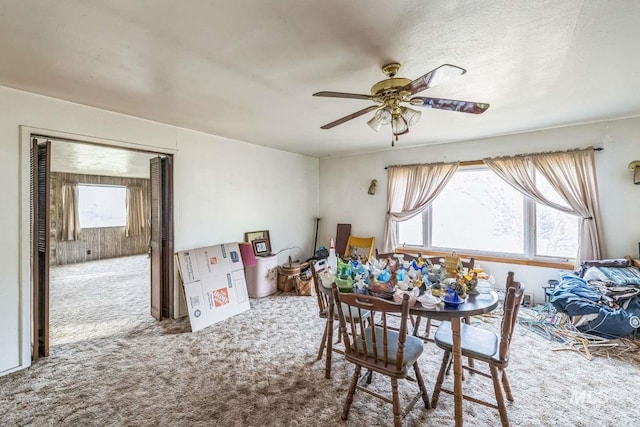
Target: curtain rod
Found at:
480, 162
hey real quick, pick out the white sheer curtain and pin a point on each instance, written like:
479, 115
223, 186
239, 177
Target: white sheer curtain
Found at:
572, 174
135, 211
70, 227
410, 189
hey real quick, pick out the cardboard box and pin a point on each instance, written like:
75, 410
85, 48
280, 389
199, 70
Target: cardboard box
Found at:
203, 263
214, 283
196, 306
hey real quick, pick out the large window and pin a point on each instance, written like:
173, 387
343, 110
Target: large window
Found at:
556, 231
102, 206
479, 212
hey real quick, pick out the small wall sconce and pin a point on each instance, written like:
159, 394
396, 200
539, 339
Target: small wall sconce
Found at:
635, 168
373, 185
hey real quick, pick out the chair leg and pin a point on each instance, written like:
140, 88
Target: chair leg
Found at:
423, 389
506, 385
352, 390
470, 363
327, 365
339, 340
443, 368
324, 341
499, 398
397, 420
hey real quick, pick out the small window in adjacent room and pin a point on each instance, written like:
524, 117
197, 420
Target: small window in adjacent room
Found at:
102, 206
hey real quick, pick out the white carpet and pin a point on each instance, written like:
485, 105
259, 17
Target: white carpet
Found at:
111, 364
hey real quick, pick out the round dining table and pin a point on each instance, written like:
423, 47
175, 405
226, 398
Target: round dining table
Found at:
472, 306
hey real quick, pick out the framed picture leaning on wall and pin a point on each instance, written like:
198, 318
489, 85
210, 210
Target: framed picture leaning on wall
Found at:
259, 235
260, 247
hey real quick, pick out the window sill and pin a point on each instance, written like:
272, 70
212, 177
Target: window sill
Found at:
518, 261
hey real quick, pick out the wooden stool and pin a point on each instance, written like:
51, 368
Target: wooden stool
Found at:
289, 276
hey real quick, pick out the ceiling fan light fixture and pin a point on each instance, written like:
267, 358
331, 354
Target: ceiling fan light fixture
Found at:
410, 115
384, 114
374, 123
399, 125
381, 118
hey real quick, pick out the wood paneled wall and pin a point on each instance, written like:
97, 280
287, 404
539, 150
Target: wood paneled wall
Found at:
101, 243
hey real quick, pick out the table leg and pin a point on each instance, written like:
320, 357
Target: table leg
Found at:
416, 326
457, 369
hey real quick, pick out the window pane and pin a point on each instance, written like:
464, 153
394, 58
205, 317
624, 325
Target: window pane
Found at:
556, 231
102, 206
477, 210
410, 232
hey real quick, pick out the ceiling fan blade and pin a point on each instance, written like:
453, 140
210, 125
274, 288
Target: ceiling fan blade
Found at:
343, 95
349, 117
450, 104
434, 77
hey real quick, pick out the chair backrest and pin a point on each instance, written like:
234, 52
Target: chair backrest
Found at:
510, 280
369, 344
511, 306
466, 263
324, 298
359, 242
405, 257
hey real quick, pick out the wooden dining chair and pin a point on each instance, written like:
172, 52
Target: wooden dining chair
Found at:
327, 310
354, 242
379, 349
485, 346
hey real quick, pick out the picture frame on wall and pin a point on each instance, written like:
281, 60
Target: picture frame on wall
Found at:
261, 234
260, 247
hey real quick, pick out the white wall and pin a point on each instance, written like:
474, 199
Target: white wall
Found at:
235, 187
222, 189
344, 182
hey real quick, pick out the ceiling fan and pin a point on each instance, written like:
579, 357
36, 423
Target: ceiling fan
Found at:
391, 93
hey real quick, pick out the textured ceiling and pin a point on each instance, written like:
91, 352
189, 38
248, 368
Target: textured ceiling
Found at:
246, 70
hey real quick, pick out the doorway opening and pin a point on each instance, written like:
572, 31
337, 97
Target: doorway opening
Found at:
102, 229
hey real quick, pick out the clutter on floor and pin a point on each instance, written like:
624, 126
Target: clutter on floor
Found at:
547, 322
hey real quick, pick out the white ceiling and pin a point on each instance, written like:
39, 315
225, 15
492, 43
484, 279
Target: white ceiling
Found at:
246, 70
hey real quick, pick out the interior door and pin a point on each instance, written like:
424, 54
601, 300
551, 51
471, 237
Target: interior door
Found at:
161, 239
40, 198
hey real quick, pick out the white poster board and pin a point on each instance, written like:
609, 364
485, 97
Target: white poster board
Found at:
214, 283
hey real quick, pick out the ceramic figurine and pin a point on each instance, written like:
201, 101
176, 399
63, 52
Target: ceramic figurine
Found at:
472, 284
437, 289
460, 288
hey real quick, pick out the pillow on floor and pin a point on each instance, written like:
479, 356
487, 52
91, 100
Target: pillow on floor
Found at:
594, 273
